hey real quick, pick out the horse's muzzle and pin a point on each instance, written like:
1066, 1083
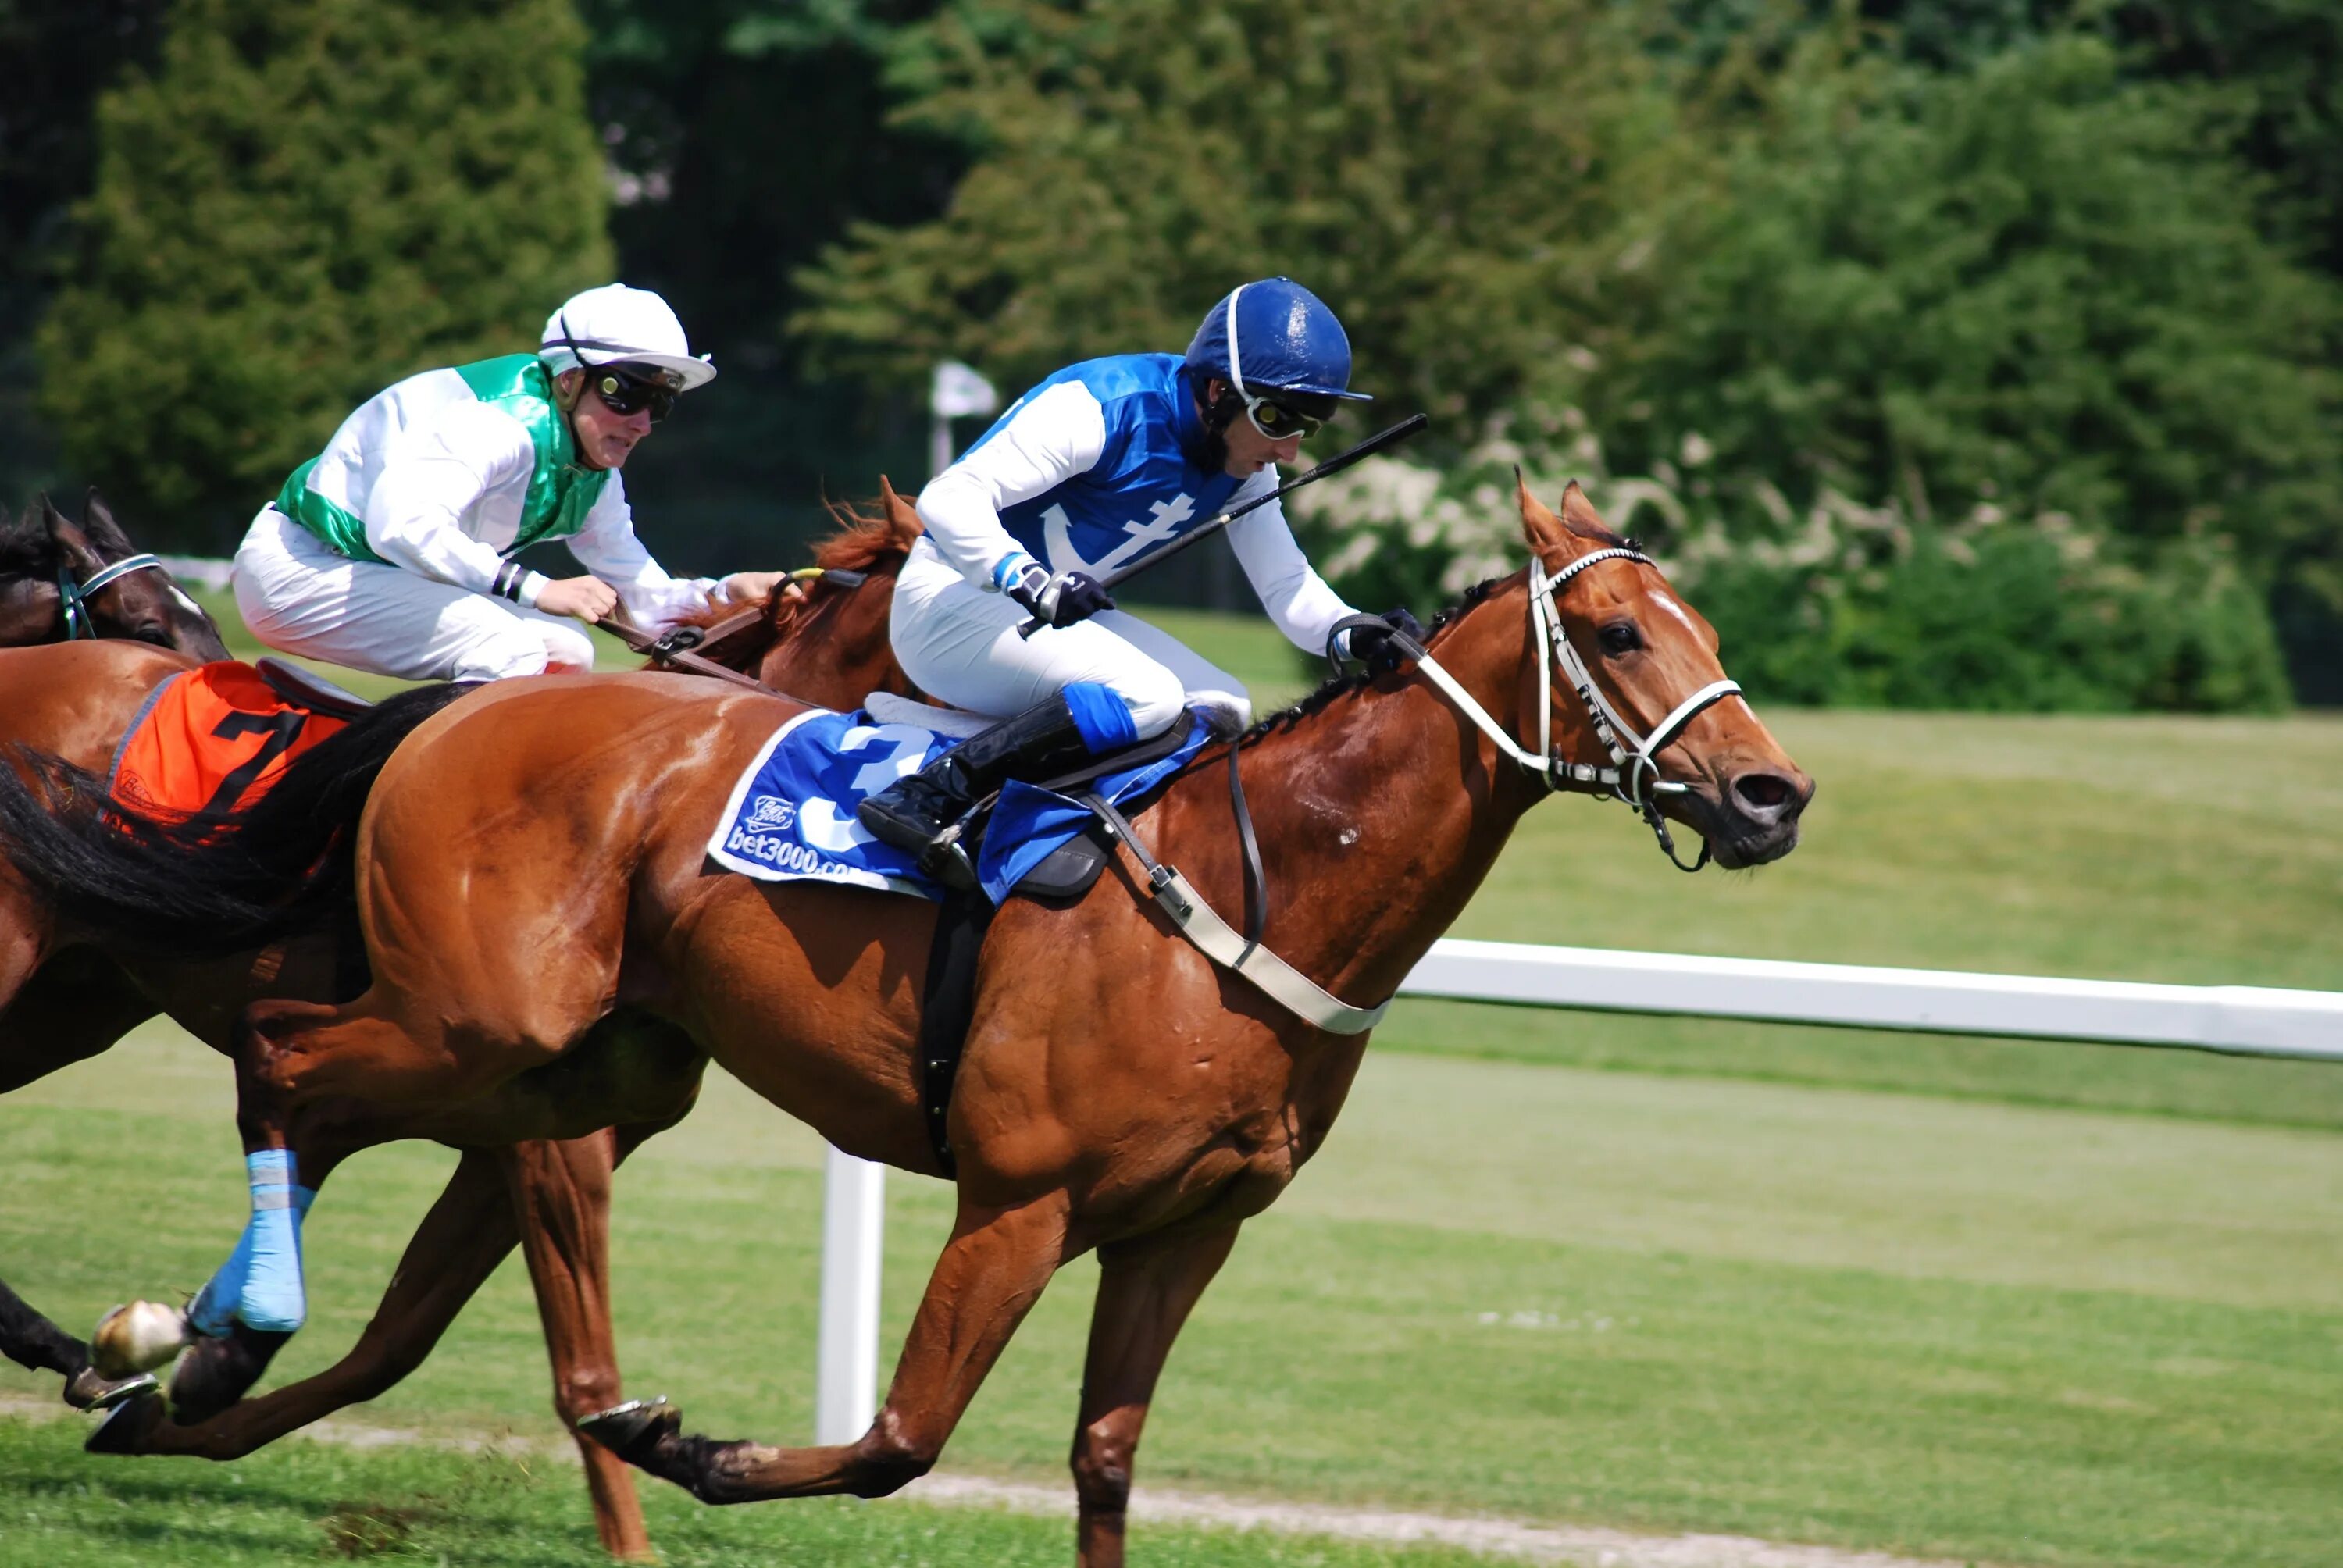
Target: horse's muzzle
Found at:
1750, 817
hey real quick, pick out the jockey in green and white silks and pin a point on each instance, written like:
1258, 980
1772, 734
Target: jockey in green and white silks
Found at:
1097, 468
387, 551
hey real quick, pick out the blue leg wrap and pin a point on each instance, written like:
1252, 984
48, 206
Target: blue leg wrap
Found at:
260, 1283
1102, 717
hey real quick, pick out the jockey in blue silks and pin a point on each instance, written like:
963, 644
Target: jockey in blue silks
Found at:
1091, 471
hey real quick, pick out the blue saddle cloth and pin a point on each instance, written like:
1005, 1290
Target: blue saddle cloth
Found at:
791, 815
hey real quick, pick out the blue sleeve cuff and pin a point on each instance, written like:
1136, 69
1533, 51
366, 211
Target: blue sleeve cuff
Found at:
1007, 567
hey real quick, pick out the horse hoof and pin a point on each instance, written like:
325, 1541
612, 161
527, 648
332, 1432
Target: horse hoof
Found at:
126, 1426
93, 1391
215, 1374
137, 1338
627, 1429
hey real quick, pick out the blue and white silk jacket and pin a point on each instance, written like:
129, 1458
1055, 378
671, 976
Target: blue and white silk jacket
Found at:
1095, 468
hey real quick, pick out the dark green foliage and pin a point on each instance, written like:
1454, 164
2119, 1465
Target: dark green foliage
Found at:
2027, 289
56, 54
303, 201
747, 134
1987, 286
1458, 182
2011, 621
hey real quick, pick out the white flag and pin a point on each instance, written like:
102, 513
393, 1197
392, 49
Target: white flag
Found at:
958, 391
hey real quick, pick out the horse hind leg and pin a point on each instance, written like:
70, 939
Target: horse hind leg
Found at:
74, 1005
561, 1204
991, 1274
1147, 1287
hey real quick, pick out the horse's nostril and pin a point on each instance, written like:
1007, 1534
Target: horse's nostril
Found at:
1764, 794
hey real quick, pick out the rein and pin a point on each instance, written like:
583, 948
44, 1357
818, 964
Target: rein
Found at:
1632, 778
74, 596
672, 648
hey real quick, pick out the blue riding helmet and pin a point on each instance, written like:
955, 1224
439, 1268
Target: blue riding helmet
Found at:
1274, 335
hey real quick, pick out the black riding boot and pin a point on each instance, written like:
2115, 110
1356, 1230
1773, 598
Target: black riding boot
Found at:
920, 812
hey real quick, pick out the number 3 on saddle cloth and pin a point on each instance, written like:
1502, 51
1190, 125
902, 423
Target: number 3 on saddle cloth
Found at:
215, 737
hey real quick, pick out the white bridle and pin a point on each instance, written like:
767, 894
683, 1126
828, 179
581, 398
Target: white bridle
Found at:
1634, 776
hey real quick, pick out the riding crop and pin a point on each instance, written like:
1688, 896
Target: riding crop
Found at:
1327, 469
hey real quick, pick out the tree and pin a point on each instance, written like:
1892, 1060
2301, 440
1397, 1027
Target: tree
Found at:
55, 57
301, 201
744, 136
2027, 286
1460, 181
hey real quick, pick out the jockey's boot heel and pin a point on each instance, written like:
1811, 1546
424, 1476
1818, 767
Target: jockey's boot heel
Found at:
920, 813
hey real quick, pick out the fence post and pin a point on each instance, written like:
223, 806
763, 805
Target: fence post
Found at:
853, 1210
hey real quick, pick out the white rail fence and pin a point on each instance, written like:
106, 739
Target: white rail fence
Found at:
2245, 1020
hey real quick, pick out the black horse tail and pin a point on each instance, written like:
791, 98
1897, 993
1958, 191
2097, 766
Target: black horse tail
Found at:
217, 883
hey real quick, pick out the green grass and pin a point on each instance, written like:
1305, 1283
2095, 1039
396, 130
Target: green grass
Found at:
2016, 1334
306, 1503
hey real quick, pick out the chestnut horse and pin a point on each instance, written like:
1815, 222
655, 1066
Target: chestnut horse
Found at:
63, 999
1119, 1092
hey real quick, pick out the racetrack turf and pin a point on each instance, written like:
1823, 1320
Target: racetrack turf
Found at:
2019, 1334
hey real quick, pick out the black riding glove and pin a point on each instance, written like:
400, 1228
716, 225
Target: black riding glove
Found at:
1374, 646
1059, 600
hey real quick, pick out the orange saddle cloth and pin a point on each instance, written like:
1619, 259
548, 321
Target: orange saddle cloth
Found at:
212, 739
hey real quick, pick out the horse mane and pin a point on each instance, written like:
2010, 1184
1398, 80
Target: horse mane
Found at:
865, 538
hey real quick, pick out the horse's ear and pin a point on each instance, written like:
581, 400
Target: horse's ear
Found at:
51, 519
97, 520
1539, 527
901, 516
1579, 515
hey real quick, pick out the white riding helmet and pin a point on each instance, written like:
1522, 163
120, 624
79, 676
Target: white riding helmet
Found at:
615, 324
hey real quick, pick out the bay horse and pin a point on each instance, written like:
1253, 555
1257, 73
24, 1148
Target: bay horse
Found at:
61, 581
1118, 1092
63, 997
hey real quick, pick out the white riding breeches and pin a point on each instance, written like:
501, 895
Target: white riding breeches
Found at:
301, 595
960, 643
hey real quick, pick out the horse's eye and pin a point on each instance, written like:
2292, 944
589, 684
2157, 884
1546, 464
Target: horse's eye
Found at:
160, 636
1621, 637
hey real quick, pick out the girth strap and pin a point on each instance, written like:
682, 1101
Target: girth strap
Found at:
946, 1010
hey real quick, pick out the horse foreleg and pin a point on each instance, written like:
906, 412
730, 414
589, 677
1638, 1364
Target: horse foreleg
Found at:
991, 1274
1147, 1287
561, 1197
468, 1232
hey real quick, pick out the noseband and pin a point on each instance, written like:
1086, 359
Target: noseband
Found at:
74, 598
1633, 776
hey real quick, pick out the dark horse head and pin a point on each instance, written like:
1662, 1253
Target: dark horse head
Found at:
46, 560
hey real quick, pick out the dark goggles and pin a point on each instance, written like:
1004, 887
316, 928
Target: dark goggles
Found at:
625, 389
1280, 421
